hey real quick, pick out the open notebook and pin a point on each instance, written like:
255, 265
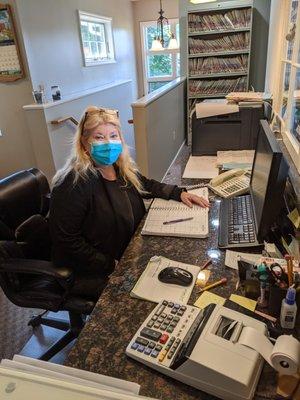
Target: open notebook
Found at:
169, 210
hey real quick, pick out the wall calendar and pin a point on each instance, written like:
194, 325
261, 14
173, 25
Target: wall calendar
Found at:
11, 67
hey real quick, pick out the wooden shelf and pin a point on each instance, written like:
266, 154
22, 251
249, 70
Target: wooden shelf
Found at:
201, 76
220, 53
222, 31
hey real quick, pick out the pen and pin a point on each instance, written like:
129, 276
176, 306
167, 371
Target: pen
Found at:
206, 264
178, 220
212, 285
289, 263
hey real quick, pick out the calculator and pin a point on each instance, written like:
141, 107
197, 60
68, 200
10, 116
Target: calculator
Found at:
164, 333
201, 348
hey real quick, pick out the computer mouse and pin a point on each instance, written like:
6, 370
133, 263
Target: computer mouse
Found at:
175, 275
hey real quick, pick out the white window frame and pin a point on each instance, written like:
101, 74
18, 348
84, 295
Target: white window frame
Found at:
145, 53
291, 143
108, 30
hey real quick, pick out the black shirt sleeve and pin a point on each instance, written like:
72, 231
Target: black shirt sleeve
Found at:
162, 190
68, 207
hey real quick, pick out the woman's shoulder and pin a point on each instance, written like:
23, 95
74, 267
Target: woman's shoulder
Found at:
73, 182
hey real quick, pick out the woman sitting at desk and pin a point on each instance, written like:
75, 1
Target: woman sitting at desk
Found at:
96, 202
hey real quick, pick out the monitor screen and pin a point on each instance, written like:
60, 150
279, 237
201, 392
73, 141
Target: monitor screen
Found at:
260, 174
268, 178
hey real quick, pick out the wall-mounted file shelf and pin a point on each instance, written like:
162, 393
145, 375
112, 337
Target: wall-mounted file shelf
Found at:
219, 31
209, 66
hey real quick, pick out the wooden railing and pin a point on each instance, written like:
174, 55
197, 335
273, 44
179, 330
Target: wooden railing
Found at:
62, 120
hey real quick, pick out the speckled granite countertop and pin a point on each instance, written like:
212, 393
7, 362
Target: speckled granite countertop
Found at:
116, 317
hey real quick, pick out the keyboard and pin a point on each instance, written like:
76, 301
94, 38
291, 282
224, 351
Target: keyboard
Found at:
237, 225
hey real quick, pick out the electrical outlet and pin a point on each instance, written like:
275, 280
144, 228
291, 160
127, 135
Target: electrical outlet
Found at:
174, 135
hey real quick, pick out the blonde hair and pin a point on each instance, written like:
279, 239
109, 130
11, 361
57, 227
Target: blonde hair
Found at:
80, 161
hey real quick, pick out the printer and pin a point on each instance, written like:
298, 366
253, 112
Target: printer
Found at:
214, 351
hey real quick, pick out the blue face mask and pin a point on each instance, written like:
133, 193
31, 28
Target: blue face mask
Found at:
106, 153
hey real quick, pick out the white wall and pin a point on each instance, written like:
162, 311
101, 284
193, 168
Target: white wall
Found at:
51, 35
147, 10
50, 31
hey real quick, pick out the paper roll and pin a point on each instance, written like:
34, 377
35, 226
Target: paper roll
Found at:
284, 356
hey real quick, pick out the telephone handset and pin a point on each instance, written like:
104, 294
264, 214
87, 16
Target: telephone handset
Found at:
231, 183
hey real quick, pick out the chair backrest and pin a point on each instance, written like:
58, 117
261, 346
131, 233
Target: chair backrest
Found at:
22, 195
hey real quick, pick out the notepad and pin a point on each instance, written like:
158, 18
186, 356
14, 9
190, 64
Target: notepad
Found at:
169, 210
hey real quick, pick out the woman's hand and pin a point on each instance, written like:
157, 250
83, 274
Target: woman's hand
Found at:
189, 199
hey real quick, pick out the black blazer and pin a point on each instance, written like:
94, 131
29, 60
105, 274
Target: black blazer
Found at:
92, 221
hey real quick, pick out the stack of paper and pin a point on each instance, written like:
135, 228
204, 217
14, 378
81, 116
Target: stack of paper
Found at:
201, 167
27, 378
246, 96
235, 159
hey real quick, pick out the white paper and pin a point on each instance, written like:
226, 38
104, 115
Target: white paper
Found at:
35, 387
235, 157
231, 258
150, 288
286, 349
18, 366
201, 167
113, 383
204, 110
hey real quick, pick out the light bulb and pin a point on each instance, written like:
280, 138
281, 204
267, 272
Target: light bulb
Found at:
156, 44
173, 42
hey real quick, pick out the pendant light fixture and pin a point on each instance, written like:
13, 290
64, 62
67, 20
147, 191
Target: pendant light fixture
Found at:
159, 40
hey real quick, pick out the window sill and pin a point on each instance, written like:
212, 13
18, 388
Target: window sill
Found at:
97, 63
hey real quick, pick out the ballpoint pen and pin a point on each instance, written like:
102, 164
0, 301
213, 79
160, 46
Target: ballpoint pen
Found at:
174, 221
206, 264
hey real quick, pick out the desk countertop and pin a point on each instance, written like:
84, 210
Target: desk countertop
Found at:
116, 317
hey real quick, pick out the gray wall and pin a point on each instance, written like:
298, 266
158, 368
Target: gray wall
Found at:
159, 127
15, 146
147, 10
261, 15
51, 35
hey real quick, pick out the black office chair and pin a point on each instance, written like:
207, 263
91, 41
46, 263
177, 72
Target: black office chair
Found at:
27, 276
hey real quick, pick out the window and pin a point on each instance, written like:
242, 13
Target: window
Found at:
162, 66
96, 39
287, 105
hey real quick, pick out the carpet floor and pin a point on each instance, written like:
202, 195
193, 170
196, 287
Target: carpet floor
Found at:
14, 331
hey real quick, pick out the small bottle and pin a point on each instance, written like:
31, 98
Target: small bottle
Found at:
288, 310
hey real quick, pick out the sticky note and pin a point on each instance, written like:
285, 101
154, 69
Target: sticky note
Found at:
243, 301
207, 298
295, 217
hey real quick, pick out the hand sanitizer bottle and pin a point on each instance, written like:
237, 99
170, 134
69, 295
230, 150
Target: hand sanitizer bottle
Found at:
288, 310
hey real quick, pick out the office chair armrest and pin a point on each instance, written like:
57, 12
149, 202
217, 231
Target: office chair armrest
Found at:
37, 267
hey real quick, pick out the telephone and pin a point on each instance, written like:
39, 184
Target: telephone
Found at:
231, 183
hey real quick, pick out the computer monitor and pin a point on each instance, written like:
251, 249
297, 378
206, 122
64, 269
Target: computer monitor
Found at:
269, 174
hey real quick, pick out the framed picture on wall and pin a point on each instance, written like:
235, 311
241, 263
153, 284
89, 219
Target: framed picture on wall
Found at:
11, 67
